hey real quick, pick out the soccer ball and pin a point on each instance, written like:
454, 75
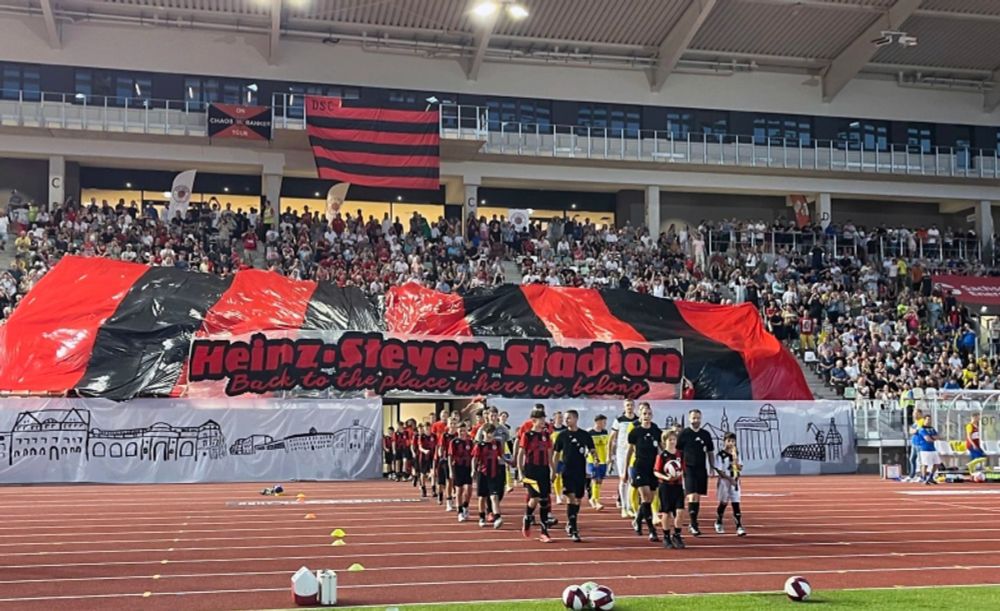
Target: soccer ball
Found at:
673, 469
588, 587
574, 598
602, 598
797, 588
979, 477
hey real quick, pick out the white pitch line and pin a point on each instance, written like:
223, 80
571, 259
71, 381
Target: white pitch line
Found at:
685, 559
640, 545
590, 527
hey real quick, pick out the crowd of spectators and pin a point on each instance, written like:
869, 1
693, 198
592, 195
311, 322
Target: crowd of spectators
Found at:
856, 303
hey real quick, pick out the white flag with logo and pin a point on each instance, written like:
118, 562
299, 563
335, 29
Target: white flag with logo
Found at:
519, 218
180, 193
335, 198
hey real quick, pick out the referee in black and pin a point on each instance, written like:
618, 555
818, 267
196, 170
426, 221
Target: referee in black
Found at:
572, 446
698, 450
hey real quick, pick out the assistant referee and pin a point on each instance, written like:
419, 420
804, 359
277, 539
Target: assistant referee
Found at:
698, 449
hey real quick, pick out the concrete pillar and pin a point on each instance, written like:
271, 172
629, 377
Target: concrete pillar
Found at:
469, 210
823, 210
653, 211
57, 181
984, 227
271, 189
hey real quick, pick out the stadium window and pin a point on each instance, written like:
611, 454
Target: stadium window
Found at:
713, 122
600, 117
18, 81
679, 123
919, 138
794, 131
870, 135
508, 113
199, 92
99, 87
405, 98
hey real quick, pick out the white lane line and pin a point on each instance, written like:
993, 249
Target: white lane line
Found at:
640, 545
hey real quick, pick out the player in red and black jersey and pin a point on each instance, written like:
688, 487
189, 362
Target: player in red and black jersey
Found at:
399, 450
669, 471
410, 453
533, 460
425, 445
460, 463
488, 464
445, 487
387, 454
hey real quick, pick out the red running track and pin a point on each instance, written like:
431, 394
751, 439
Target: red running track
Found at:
182, 546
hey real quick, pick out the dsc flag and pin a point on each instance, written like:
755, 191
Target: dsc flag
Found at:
374, 147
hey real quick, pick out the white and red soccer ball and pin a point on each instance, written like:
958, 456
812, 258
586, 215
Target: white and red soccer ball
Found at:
574, 598
797, 588
590, 595
602, 598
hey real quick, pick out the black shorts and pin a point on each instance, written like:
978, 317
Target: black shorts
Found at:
463, 475
407, 454
387, 456
540, 486
642, 475
671, 497
442, 472
424, 464
695, 480
490, 486
397, 454
574, 482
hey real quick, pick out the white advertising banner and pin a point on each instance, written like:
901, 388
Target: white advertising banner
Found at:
774, 438
176, 440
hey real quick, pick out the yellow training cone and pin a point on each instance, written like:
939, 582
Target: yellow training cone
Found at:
310, 516
339, 542
354, 568
338, 533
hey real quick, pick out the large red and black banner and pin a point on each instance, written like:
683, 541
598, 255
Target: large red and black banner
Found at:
236, 121
98, 327
374, 147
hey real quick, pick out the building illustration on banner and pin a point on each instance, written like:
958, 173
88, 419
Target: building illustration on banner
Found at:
828, 447
353, 439
758, 437
55, 434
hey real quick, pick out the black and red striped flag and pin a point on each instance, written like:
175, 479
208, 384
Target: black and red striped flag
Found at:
374, 147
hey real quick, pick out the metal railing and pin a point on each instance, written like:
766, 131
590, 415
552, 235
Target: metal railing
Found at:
466, 122
114, 114
772, 242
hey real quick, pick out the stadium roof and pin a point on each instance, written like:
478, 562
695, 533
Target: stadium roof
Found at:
833, 40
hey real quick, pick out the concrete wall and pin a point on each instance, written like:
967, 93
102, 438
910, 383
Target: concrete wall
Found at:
30, 177
186, 51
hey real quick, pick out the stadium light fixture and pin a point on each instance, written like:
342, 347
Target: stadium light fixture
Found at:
166, 194
316, 194
399, 198
485, 9
128, 185
516, 11
482, 202
252, 87
225, 189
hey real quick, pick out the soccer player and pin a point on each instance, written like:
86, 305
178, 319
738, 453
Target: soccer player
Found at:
929, 459
973, 443
425, 447
670, 490
728, 489
698, 450
573, 447
597, 465
619, 443
445, 484
487, 463
504, 417
460, 463
644, 445
480, 418
558, 426
441, 425
399, 450
387, 454
533, 461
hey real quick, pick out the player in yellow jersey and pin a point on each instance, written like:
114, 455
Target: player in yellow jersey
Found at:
558, 426
597, 464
